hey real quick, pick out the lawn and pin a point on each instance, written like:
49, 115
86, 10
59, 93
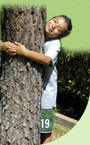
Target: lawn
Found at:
58, 131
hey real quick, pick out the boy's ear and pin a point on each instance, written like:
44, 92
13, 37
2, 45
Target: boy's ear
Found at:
60, 37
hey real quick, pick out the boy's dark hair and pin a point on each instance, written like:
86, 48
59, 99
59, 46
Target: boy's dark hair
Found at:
68, 20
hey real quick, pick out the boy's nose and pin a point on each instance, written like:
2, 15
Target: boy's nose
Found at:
54, 26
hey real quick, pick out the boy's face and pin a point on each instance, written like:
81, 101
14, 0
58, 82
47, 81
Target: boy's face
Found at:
55, 27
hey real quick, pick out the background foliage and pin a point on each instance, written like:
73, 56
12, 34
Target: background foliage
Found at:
73, 83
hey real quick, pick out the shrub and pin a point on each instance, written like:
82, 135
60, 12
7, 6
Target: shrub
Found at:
73, 83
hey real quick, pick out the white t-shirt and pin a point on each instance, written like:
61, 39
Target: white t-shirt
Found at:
52, 47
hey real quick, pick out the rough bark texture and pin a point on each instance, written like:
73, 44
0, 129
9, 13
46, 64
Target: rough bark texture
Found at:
20, 78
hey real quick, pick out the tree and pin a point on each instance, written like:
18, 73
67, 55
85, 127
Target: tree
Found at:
20, 78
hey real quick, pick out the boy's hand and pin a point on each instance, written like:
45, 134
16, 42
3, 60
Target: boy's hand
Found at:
20, 49
5, 47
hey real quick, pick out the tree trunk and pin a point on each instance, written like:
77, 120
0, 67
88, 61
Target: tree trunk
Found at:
21, 78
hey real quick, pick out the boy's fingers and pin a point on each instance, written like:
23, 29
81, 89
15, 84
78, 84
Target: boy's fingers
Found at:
11, 50
17, 43
12, 54
11, 46
7, 50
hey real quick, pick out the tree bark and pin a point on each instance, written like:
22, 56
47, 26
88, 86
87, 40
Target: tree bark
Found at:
21, 78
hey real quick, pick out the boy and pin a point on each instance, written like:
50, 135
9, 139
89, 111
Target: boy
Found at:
56, 28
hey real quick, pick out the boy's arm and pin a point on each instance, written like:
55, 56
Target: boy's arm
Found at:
35, 56
4, 46
38, 57
0, 45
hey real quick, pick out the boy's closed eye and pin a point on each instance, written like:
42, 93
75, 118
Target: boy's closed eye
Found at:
55, 21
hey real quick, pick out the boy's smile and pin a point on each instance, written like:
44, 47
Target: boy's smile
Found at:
50, 28
55, 27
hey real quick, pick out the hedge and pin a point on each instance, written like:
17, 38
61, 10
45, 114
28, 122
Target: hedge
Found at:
73, 83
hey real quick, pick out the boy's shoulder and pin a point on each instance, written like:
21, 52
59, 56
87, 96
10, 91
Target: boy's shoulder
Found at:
53, 42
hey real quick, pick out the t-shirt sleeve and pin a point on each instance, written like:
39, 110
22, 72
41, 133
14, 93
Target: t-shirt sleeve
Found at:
53, 52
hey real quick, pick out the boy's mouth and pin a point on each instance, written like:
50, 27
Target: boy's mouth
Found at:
50, 28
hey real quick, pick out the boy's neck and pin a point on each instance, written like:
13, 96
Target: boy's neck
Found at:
46, 38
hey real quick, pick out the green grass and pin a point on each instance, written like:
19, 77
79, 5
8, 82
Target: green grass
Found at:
58, 131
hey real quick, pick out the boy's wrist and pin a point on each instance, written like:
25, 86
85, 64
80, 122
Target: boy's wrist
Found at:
1, 45
25, 53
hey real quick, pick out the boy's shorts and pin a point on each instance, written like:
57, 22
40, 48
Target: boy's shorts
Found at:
47, 120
